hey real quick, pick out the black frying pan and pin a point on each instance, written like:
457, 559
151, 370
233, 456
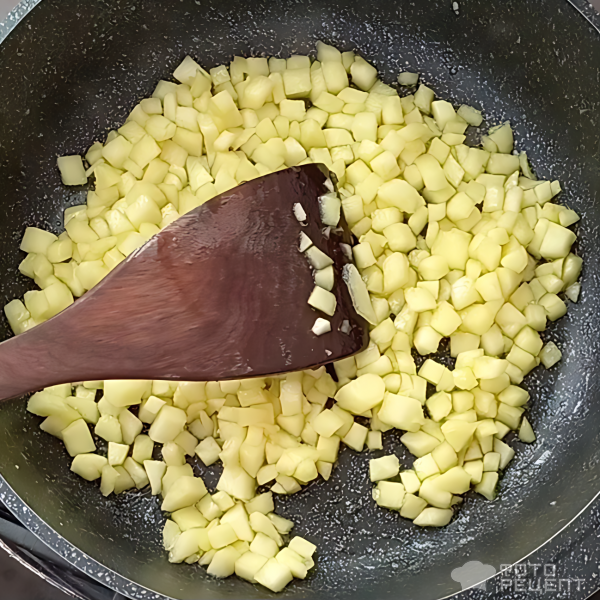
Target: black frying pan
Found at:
72, 70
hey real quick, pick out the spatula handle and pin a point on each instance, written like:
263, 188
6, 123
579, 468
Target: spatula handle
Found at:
36, 359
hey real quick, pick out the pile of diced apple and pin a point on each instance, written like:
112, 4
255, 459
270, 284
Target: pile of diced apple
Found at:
254, 427
452, 241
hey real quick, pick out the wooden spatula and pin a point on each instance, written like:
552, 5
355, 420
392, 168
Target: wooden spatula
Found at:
219, 294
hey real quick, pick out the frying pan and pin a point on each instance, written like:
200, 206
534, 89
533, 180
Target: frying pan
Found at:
72, 69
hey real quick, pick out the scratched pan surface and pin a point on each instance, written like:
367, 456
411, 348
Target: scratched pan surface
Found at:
72, 69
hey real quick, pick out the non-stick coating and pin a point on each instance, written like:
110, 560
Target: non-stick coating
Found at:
72, 70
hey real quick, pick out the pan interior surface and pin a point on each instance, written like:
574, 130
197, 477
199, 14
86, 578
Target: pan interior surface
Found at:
72, 70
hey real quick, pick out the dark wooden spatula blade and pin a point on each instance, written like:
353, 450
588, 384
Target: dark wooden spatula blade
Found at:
219, 294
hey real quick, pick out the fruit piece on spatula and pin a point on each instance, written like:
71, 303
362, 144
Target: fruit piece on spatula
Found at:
221, 293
